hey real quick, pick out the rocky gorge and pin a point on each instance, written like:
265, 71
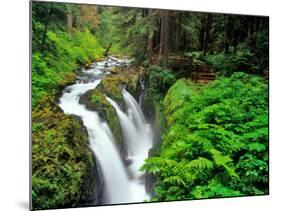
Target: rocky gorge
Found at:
103, 104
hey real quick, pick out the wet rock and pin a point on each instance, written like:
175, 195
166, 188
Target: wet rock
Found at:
115, 70
95, 100
111, 86
91, 188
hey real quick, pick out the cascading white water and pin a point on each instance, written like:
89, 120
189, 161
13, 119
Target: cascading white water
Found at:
134, 110
142, 86
119, 187
101, 142
138, 137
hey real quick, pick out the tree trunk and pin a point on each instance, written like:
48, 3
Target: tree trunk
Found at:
235, 41
253, 38
161, 36
207, 28
166, 38
202, 32
177, 33
149, 39
253, 35
69, 18
228, 33
226, 45
107, 50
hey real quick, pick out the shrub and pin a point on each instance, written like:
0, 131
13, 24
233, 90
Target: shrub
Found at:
233, 62
54, 68
61, 159
160, 80
216, 142
196, 56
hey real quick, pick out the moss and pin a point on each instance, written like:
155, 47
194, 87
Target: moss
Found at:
67, 78
111, 86
127, 76
177, 96
131, 80
115, 70
60, 157
159, 117
95, 100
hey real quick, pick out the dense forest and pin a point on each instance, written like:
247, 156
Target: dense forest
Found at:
202, 81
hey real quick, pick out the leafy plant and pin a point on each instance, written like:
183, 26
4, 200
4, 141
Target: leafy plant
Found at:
216, 142
160, 80
232, 62
61, 159
49, 73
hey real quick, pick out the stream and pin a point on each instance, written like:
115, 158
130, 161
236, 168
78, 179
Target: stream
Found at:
122, 183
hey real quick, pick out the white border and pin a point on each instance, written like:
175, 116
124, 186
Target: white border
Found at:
14, 116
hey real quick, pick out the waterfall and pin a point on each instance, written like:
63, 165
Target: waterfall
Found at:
129, 131
142, 86
138, 138
134, 111
101, 142
122, 184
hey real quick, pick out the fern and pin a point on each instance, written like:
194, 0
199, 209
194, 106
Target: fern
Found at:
200, 163
256, 147
175, 180
216, 140
214, 189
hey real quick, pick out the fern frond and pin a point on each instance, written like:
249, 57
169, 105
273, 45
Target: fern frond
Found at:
256, 147
200, 163
175, 180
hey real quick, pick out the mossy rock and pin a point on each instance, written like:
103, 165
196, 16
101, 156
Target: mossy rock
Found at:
111, 86
99, 58
115, 70
95, 100
127, 77
66, 79
61, 158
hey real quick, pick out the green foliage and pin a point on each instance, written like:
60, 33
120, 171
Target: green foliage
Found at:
191, 27
49, 73
56, 52
216, 142
263, 49
96, 99
132, 27
46, 16
105, 30
160, 80
232, 62
79, 47
196, 55
61, 158
213, 189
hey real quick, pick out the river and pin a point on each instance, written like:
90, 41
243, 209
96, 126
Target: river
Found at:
122, 183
